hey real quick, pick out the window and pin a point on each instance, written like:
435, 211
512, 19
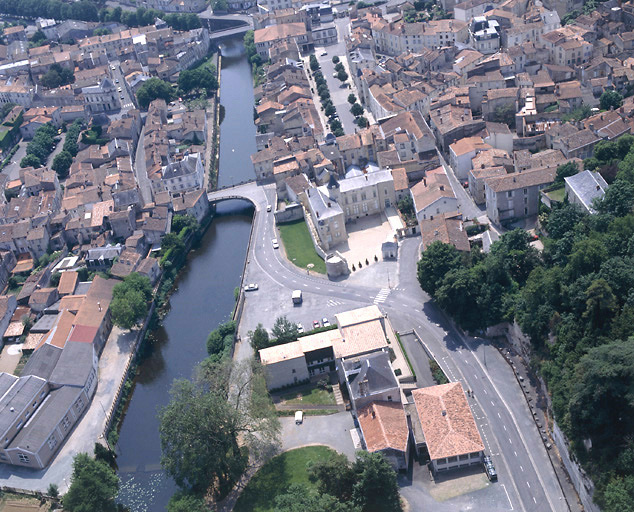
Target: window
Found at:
452, 459
509, 193
52, 442
389, 398
23, 458
294, 371
66, 423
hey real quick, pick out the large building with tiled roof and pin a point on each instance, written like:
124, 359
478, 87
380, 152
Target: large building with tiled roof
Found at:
449, 429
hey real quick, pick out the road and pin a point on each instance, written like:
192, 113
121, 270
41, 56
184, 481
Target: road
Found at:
526, 478
140, 170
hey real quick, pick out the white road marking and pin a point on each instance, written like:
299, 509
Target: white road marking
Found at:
534, 500
507, 496
485, 391
515, 453
504, 427
318, 287
529, 485
492, 403
522, 468
499, 416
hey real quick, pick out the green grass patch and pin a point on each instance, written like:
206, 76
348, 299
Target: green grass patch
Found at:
558, 194
299, 246
274, 478
311, 395
400, 344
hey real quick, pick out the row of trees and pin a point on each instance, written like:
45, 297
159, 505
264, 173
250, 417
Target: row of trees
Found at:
142, 17
64, 159
84, 10
284, 331
575, 300
38, 150
324, 95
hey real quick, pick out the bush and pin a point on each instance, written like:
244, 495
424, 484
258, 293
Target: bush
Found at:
437, 373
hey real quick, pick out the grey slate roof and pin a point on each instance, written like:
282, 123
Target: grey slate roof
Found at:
43, 361
375, 369
319, 204
39, 428
6, 381
587, 186
44, 324
24, 391
74, 365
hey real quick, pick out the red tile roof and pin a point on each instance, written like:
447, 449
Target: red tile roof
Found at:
384, 426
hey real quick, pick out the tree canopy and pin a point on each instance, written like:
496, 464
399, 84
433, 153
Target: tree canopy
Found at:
284, 330
94, 486
610, 100
61, 163
200, 426
153, 89
57, 76
200, 78
575, 301
130, 300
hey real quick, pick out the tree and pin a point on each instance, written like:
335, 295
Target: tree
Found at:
600, 303
618, 199
566, 170
342, 76
610, 100
201, 424
334, 476
330, 110
563, 219
180, 222
196, 79
339, 67
352, 99
153, 89
61, 163
300, 498
406, 206
30, 161
130, 300
284, 330
601, 403
221, 339
361, 121
619, 495
335, 60
53, 490
39, 38
186, 502
356, 110
505, 114
94, 486
56, 76
438, 259
259, 337
376, 489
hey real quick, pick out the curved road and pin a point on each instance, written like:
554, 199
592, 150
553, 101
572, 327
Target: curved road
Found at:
504, 419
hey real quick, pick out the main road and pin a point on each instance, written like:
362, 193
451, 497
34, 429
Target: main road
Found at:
503, 417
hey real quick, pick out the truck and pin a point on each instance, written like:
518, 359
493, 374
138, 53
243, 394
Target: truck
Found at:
297, 296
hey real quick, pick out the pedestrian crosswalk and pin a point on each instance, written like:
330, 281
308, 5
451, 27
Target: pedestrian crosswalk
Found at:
333, 303
382, 295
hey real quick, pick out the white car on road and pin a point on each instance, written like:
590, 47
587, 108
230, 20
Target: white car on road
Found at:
275, 244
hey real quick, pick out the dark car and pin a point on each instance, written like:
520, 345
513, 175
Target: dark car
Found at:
490, 468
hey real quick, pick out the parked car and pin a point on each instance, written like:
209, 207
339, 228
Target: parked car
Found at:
325, 322
268, 207
300, 328
323, 54
299, 417
275, 244
251, 287
316, 324
489, 468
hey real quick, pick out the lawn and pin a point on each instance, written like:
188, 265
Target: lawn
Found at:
558, 194
299, 246
311, 395
277, 475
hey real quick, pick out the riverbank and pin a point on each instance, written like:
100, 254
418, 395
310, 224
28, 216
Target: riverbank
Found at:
201, 298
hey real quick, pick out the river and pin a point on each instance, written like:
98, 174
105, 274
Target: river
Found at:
202, 300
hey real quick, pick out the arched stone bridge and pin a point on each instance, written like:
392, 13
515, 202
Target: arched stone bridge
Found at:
250, 191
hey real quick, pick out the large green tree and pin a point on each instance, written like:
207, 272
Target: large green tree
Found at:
205, 418
61, 163
153, 89
130, 300
186, 502
284, 330
94, 486
610, 100
259, 337
438, 259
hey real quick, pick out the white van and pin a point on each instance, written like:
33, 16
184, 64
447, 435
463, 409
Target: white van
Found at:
297, 296
299, 418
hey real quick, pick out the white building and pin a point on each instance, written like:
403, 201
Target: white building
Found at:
183, 175
102, 97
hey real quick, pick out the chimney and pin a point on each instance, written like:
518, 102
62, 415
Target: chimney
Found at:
373, 414
442, 187
99, 305
444, 413
366, 177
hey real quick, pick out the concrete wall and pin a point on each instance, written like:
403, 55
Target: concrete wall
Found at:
583, 485
286, 373
290, 213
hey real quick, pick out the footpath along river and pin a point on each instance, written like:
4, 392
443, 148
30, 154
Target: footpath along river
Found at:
202, 300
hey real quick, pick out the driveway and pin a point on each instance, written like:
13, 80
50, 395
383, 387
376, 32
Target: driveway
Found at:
332, 430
